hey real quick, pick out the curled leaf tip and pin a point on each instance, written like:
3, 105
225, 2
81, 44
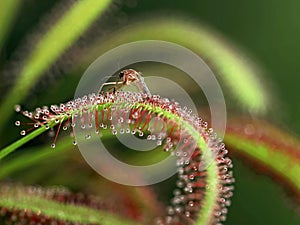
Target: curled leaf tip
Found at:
204, 184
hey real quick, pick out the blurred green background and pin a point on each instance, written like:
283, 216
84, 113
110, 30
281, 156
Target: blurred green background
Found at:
268, 31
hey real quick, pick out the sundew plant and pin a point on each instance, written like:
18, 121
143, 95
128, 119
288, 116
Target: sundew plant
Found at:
91, 134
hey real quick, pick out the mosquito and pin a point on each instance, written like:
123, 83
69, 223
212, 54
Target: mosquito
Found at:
129, 77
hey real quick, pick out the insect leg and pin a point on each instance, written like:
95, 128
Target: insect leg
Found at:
109, 83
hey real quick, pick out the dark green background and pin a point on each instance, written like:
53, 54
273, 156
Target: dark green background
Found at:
268, 30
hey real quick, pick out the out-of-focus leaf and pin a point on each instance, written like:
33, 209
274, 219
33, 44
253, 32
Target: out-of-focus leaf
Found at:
60, 36
26, 160
228, 63
18, 198
8, 9
271, 150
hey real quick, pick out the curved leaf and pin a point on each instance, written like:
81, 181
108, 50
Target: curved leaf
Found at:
270, 149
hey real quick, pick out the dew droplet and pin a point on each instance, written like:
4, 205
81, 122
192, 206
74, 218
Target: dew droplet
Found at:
23, 132
176, 192
180, 184
169, 220
18, 108
179, 163
224, 211
191, 203
188, 189
170, 210
65, 127
114, 132
74, 142
178, 209
228, 203
17, 123
52, 145
135, 115
191, 177
187, 214
158, 221
222, 218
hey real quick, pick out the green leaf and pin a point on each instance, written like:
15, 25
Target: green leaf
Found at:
225, 59
17, 198
268, 148
8, 10
201, 136
60, 37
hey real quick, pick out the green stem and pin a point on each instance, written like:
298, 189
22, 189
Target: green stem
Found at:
11, 148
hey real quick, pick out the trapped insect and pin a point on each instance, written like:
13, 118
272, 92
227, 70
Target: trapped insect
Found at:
128, 77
